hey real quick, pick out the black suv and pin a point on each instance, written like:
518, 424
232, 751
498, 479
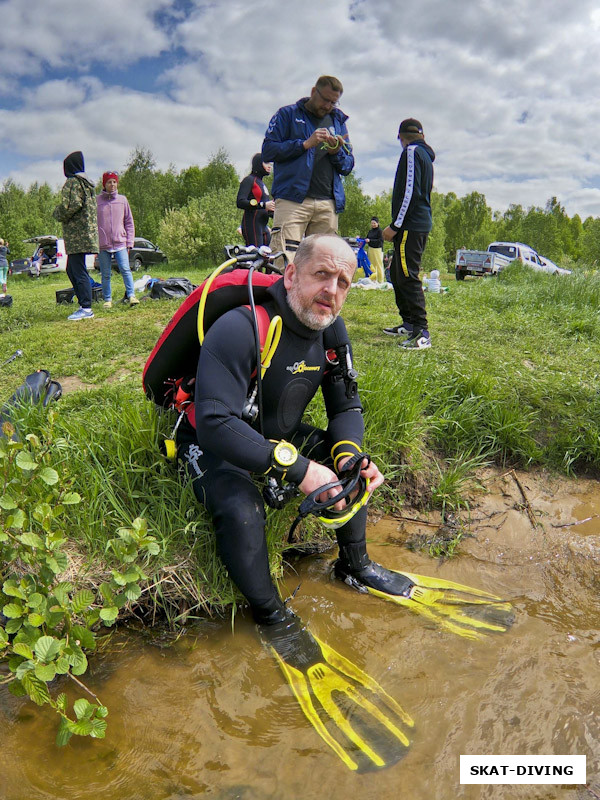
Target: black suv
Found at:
145, 254
142, 254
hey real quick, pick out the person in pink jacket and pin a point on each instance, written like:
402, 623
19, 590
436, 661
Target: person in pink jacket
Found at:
116, 232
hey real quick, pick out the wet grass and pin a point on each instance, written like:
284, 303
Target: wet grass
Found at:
512, 378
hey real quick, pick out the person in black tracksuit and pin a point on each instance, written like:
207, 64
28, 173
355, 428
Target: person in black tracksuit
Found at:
225, 453
253, 197
409, 229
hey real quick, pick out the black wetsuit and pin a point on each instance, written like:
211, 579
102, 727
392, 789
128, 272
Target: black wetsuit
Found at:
224, 450
252, 197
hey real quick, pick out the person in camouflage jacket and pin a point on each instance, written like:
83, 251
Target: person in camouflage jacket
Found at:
77, 211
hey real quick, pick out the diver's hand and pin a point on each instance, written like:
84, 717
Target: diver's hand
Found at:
318, 475
372, 472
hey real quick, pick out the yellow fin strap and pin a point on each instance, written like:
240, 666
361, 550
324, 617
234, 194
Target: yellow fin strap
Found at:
204, 295
270, 346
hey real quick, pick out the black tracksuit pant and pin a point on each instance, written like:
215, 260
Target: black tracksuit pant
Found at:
404, 272
80, 280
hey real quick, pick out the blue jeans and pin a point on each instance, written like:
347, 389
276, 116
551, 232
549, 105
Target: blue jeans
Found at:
122, 257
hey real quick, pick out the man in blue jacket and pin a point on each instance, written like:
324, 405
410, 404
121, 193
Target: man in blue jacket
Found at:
310, 150
409, 229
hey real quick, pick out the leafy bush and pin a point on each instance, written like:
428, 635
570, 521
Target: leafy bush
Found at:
200, 229
48, 622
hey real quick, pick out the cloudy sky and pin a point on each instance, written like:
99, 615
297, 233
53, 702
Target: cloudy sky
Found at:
507, 91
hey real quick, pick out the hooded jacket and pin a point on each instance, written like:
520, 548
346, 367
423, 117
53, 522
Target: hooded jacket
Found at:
77, 208
293, 165
411, 195
116, 229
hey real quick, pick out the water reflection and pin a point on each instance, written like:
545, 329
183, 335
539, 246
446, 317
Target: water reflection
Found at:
212, 717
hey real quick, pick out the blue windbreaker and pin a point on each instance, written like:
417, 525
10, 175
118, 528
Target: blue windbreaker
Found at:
292, 164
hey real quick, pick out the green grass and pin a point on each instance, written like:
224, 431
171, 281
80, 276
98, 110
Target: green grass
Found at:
512, 378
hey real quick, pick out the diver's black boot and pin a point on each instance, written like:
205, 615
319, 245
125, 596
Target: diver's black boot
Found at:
355, 568
271, 613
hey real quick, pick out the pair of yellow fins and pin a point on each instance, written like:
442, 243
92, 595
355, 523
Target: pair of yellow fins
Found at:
365, 727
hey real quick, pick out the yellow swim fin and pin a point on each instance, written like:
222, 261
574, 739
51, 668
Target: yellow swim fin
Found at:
350, 711
468, 612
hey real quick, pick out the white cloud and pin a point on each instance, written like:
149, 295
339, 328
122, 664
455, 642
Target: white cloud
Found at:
73, 34
506, 92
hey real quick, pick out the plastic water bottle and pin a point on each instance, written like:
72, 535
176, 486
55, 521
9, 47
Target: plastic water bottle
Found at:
434, 283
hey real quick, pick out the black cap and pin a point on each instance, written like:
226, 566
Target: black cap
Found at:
410, 126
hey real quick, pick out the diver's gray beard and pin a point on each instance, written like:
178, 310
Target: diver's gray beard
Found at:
307, 317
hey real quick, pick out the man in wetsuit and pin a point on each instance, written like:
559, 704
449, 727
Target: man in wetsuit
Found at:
225, 452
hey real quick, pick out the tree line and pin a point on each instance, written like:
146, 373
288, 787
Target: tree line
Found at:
192, 213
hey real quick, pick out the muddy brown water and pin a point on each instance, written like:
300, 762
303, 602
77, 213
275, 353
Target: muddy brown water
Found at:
210, 716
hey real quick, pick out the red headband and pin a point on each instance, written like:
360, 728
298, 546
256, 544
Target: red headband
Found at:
107, 176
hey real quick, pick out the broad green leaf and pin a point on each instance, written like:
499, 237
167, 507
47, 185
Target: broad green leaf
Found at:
61, 592
132, 575
132, 592
109, 615
17, 689
52, 564
80, 707
25, 461
8, 503
23, 668
62, 665
31, 539
64, 734
42, 512
102, 711
45, 672
74, 654
62, 561
36, 619
49, 475
28, 634
35, 688
84, 636
118, 578
35, 600
54, 617
61, 702
98, 729
153, 548
82, 727
3, 536
81, 666
81, 600
3, 638
13, 611
71, 498
46, 648
106, 592
33, 439
22, 649
13, 625
16, 520
12, 589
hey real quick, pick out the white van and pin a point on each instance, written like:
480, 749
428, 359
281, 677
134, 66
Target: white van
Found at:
50, 256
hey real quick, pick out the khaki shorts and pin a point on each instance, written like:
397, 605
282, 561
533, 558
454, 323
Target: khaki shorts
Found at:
293, 221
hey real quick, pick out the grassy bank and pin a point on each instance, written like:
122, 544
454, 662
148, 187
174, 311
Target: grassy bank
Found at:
512, 378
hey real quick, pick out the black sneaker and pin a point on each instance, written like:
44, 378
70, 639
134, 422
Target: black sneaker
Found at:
404, 329
420, 341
